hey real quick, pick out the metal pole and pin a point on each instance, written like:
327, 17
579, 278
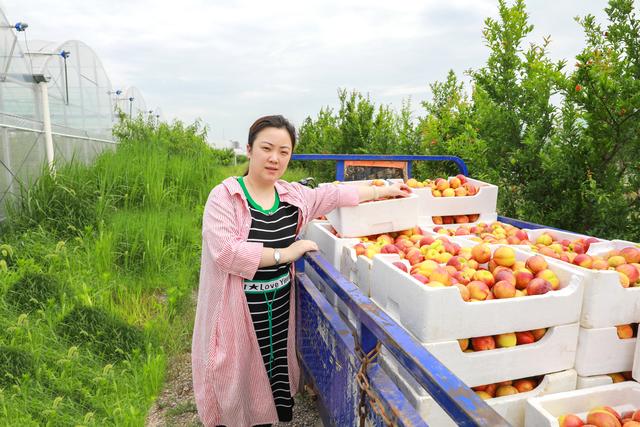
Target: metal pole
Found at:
66, 80
9, 58
46, 119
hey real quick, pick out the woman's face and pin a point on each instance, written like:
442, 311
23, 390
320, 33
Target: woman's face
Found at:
270, 155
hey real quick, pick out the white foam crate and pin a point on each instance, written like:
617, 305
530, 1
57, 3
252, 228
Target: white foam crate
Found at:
509, 407
544, 411
484, 201
329, 245
440, 314
602, 245
357, 269
486, 217
600, 351
382, 216
555, 352
593, 381
606, 303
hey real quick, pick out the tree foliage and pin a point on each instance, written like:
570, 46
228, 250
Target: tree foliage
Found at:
561, 142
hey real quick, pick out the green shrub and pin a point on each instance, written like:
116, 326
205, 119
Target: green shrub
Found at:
104, 334
14, 363
32, 291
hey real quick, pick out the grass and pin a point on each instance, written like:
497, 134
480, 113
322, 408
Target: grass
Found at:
98, 265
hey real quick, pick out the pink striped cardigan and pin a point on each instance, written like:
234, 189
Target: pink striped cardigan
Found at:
229, 379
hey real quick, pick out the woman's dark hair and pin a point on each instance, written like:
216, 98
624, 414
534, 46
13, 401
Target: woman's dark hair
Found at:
276, 121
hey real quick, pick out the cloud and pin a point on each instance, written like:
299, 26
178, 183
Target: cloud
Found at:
228, 62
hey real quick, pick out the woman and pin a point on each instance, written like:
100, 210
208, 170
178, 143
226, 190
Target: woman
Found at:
245, 370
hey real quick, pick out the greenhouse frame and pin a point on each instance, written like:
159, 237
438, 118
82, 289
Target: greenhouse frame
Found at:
57, 103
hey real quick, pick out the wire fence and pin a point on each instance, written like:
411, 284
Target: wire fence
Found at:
23, 156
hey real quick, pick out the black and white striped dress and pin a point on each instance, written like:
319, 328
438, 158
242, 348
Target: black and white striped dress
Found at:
268, 296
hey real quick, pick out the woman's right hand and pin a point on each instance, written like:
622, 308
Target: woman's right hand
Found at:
299, 248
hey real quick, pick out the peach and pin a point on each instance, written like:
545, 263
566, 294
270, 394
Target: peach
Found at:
536, 263
630, 271
602, 418
631, 423
504, 289
384, 239
420, 278
462, 178
525, 337
583, 260
401, 265
461, 219
577, 247
538, 286
454, 182
624, 280
449, 192
506, 390
538, 333
415, 238
631, 254
484, 276
461, 192
610, 410
483, 343
617, 377
481, 253
599, 264
360, 249
426, 240
504, 256
624, 331
550, 277
545, 250
545, 239
616, 260
457, 262
441, 275
506, 340
471, 189
464, 343
371, 251
524, 385
570, 420
484, 395
523, 277
506, 275
441, 184
464, 292
389, 249
478, 290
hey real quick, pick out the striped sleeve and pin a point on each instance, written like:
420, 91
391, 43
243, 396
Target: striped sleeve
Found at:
220, 228
326, 198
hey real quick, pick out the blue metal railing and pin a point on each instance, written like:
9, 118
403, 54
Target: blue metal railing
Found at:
340, 159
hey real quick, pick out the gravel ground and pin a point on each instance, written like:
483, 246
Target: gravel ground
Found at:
176, 405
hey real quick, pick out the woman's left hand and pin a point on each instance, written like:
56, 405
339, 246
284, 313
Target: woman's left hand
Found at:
397, 189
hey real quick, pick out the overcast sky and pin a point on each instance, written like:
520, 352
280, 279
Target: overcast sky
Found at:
229, 62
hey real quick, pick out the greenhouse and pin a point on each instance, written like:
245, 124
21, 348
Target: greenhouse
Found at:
56, 103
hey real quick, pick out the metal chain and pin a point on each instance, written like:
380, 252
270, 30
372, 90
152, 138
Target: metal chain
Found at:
362, 379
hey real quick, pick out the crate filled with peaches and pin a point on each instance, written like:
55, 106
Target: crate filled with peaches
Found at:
454, 199
381, 215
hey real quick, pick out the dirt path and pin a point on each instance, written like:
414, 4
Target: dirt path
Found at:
175, 407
